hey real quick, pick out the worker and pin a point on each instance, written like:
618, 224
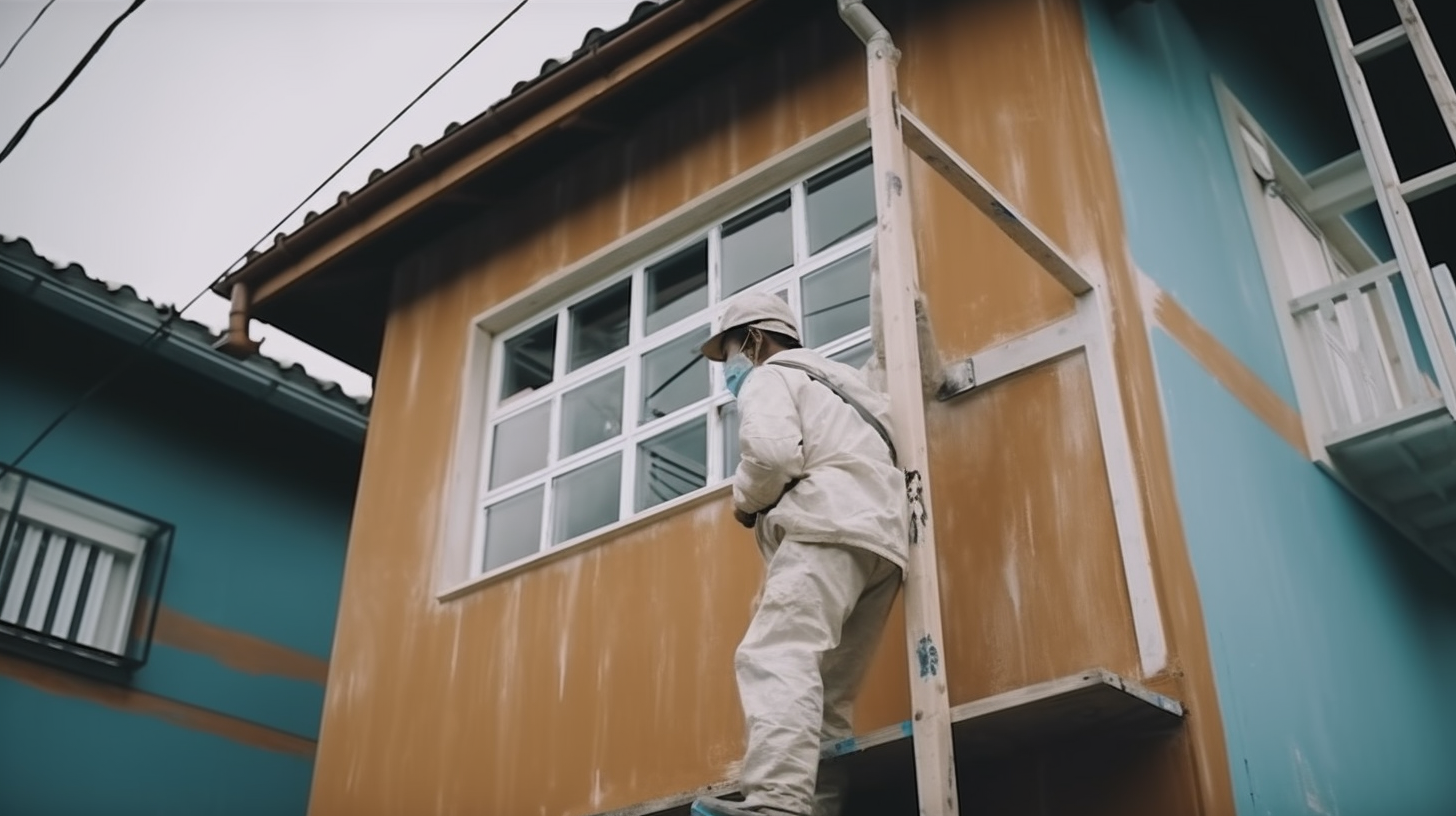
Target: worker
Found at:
819, 485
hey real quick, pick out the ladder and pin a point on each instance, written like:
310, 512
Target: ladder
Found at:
1394, 194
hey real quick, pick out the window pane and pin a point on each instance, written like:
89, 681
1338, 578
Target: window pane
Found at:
841, 202
591, 413
587, 498
855, 356
677, 287
757, 244
528, 359
672, 464
673, 375
728, 416
513, 528
837, 299
599, 325
520, 445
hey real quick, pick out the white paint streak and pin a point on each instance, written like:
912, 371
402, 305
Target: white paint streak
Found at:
1013, 582
1310, 787
597, 793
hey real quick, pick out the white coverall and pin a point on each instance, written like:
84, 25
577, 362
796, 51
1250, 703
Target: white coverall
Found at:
835, 546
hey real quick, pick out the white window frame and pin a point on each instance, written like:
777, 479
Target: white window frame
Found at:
629, 360
461, 534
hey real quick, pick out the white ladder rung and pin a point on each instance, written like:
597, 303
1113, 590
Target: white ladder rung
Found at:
1382, 43
1428, 183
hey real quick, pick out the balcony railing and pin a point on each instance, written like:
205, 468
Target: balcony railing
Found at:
1362, 339
79, 578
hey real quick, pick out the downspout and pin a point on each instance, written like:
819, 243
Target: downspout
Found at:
864, 23
235, 341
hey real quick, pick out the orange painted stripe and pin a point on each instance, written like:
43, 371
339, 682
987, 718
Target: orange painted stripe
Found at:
121, 698
237, 650
1246, 386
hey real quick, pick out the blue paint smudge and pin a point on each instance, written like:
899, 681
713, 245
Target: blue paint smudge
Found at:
928, 656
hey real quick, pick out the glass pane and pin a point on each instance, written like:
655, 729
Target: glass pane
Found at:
841, 202
728, 416
587, 498
757, 244
673, 375
520, 445
672, 464
528, 359
837, 299
599, 325
591, 413
513, 528
677, 287
855, 356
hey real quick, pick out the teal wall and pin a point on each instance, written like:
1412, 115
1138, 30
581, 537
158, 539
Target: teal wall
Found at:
261, 503
1333, 641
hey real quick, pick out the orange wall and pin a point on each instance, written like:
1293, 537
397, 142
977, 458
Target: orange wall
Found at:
605, 677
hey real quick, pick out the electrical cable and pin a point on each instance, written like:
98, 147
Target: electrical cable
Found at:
162, 328
18, 40
66, 83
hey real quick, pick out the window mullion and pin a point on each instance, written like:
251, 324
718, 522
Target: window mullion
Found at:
799, 222
631, 409
637, 310
563, 338
715, 268
715, 444
477, 549
548, 500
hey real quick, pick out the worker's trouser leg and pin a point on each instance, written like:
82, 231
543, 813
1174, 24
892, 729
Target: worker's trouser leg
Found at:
800, 665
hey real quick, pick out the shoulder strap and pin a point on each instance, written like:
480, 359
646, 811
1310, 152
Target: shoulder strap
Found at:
853, 403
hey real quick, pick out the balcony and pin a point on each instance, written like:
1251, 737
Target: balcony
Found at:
79, 578
1386, 427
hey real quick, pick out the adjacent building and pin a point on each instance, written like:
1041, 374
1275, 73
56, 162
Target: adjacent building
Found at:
170, 556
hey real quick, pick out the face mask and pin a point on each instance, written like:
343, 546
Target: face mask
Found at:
735, 370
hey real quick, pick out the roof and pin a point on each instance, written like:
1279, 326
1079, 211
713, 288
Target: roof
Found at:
121, 312
602, 91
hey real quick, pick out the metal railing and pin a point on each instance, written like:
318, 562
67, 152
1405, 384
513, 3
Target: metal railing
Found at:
79, 578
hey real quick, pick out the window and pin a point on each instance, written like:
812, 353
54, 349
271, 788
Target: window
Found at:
79, 579
603, 407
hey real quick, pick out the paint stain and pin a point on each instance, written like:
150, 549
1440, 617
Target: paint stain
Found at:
928, 657
237, 650
915, 491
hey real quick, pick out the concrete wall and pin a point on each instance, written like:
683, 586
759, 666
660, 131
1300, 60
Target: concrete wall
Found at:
223, 717
1333, 642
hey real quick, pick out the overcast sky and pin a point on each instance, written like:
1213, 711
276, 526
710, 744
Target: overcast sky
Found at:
202, 122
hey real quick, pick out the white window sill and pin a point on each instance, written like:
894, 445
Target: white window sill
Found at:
581, 543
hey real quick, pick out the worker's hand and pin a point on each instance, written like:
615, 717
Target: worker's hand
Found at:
746, 519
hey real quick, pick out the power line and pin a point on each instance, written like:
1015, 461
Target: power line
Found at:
16, 44
162, 328
75, 72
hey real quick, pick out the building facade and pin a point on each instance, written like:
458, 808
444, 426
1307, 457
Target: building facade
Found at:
170, 560
1156, 489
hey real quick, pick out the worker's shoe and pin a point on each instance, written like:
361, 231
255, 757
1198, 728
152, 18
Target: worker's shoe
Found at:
713, 806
